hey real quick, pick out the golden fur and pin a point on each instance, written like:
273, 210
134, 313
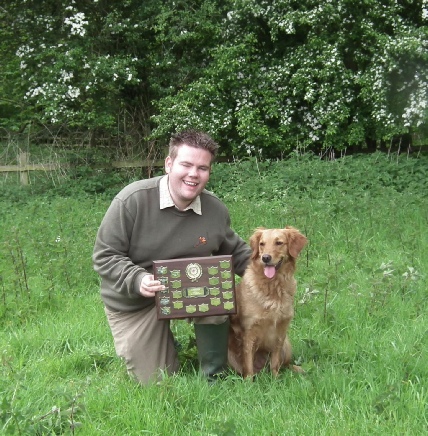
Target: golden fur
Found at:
265, 302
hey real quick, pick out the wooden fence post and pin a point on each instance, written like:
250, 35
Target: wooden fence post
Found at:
23, 170
23, 167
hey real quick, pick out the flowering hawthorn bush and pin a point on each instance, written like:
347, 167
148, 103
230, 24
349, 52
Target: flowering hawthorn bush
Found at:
305, 73
261, 76
69, 73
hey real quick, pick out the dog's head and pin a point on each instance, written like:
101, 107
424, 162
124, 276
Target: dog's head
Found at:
274, 247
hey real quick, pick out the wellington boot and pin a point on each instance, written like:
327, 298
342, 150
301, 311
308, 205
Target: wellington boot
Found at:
212, 341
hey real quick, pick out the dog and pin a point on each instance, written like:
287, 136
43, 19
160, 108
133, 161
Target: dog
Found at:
265, 300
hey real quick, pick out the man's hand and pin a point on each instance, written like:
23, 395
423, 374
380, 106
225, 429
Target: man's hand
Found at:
149, 286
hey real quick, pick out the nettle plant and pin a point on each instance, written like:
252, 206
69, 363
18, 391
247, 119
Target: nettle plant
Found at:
299, 73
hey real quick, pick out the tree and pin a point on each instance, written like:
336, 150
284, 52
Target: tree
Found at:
77, 61
309, 73
99, 65
261, 76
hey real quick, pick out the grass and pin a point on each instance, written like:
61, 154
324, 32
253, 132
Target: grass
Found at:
360, 329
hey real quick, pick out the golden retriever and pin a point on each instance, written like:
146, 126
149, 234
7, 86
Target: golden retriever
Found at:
258, 332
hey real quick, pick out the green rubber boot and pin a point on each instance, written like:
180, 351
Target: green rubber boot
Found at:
211, 342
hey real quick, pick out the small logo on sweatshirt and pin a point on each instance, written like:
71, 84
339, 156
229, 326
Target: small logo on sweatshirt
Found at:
202, 240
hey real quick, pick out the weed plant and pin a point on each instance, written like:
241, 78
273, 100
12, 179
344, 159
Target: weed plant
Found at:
360, 330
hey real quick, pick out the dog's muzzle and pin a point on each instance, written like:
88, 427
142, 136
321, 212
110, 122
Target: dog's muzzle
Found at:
270, 270
266, 258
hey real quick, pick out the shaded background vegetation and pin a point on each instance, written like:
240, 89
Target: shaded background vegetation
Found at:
263, 77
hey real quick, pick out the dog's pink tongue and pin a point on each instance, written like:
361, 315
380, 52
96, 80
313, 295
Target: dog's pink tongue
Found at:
269, 271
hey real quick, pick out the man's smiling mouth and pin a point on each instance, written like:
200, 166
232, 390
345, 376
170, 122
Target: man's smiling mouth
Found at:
190, 183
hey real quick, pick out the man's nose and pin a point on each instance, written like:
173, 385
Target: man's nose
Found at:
193, 172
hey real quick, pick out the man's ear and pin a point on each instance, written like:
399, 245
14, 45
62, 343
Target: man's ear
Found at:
168, 164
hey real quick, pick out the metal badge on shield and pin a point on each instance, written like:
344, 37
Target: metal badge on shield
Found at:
194, 271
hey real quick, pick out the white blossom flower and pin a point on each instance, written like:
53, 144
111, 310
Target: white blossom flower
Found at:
66, 76
77, 23
72, 92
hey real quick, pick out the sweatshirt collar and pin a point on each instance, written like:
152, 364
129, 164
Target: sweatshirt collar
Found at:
166, 200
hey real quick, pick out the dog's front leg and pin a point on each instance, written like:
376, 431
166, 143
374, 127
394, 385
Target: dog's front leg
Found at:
275, 360
249, 349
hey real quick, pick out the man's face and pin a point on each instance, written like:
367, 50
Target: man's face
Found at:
188, 174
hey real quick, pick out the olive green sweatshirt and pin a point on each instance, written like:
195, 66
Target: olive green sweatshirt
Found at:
135, 231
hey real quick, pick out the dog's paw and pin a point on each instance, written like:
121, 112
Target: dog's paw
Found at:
297, 369
248, 377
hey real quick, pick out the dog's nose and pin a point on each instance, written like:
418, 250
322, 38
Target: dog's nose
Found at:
266, 258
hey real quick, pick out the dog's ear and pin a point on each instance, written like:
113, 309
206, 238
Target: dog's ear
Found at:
296, 241
254, 242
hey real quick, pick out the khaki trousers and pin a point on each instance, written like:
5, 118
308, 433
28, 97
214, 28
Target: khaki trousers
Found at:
146, 344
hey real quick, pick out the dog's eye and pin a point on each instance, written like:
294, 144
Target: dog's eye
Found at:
279, 243
262, 244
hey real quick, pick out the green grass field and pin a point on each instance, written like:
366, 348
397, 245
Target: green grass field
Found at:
360, 330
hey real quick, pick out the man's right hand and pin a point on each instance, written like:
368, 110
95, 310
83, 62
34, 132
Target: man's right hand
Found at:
149, 286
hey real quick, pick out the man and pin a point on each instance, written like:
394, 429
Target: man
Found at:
165, 217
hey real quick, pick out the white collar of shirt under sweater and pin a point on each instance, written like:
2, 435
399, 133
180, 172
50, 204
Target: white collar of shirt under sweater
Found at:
166, 200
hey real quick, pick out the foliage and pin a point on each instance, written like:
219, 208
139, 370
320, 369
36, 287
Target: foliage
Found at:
262, 77
77, 61
359, 330
98, 65
299, 74
308, 175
